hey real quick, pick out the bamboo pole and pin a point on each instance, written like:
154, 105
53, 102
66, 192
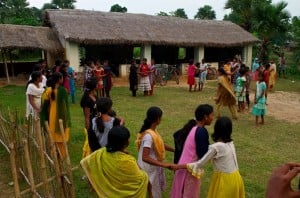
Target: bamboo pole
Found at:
68, 160
42, 157
55, 160
38, 185
14, 170
29, 167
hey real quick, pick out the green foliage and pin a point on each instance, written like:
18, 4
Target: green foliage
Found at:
18, 12
269, 22
136, 52
162, 14
118, 8
179, 13
296, 38
64, 4
205, 12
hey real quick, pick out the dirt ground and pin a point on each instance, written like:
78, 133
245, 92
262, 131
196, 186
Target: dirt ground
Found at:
284, 106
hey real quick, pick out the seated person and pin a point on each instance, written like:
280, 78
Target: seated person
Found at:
112, 171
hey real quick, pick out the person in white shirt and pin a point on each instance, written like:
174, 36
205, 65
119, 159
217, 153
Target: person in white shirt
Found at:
34, 93
226, 180
203, 74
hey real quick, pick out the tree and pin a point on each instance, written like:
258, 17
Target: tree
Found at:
162, 14
271, 24
179, 13
118, 8
296, 37
242, 11
18, 12
60, 4
205, 12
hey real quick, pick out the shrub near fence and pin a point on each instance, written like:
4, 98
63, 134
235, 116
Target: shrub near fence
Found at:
36, 167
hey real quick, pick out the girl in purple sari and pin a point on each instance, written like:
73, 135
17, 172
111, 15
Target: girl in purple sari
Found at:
195, 146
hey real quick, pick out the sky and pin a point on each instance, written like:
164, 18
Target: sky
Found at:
152, 7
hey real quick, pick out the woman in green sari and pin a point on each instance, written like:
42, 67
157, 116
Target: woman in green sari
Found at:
55, 107
112, 171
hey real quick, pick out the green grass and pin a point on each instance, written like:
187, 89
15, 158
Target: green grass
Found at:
259, 150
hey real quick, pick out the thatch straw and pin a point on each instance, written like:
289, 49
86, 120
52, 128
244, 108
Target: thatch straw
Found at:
93, 27
28, 37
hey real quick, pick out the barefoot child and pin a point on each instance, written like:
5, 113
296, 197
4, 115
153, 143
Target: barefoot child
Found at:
259, 108
240, 89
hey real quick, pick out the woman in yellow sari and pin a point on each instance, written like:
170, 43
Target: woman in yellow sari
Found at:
225, 95
272, 76
55, 106
112, 171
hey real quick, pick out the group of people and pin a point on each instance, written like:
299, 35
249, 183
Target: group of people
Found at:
197, 74
113, 172
47, 99
145, 73
109, 175
102, 72
234, 87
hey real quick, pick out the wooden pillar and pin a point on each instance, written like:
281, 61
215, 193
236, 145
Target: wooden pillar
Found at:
5, 66
11, 65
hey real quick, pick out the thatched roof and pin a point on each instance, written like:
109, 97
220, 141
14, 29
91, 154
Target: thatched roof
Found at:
28, 37
94, 27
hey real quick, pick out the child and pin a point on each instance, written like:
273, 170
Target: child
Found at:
248, 81
259, 108
226, 180
107, 81
102, 124
180, 137
99, 74
191, 73
151, 150
196, 76
240, 90
202, 74
195, 145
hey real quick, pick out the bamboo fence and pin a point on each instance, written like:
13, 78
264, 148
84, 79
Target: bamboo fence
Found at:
37, 169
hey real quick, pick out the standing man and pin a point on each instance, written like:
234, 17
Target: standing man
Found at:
282, 65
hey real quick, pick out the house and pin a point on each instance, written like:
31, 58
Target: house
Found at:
27, 37
113, 36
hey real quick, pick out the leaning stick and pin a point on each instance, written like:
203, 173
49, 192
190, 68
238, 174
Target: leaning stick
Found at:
68, 160
29, 168
41, 152
55, 160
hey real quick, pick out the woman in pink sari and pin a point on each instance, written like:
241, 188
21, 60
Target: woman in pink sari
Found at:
195, 147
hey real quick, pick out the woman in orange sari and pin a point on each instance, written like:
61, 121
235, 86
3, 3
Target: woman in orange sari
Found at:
225, 95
